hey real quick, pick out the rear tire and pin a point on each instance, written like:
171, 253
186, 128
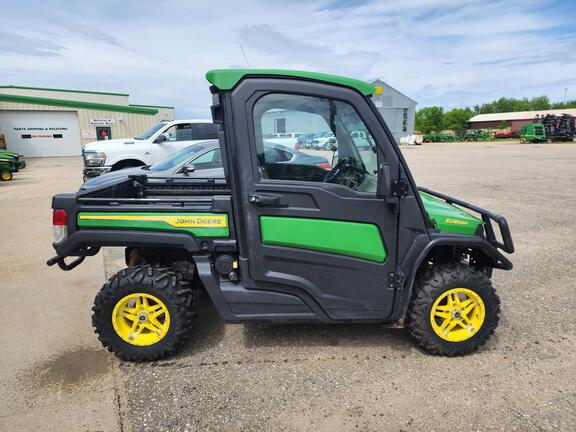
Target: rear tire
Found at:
167, 290
443, 282
6, 176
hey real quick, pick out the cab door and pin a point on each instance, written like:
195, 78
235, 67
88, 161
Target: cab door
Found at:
318, 233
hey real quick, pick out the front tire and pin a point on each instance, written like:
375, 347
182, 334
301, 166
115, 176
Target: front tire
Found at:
6, 176
455, 310
144, 313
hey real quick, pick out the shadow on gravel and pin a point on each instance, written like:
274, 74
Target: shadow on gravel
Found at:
343, 335
208, 330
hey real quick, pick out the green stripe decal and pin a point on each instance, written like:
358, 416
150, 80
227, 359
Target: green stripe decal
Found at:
196, 224
355, 239
77, 104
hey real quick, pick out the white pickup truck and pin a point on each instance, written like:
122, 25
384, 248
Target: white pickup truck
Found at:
151, 147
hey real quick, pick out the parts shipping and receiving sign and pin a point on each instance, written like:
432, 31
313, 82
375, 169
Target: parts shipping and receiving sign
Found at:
102, 122
40, 132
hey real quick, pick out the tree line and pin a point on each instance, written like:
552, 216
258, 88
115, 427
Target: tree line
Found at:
434, 119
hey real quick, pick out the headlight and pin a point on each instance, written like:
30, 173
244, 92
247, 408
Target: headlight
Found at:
94, 159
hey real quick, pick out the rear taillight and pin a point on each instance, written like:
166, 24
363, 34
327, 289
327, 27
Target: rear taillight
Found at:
324, 165
296, 146
59, 225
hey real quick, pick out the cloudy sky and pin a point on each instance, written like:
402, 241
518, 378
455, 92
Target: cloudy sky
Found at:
439, 52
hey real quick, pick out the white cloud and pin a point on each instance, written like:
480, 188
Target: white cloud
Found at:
444, 52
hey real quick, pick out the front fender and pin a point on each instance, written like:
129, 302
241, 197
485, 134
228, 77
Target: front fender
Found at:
422, 247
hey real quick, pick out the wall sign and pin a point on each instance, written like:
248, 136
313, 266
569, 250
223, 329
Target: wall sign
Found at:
102, 122
89, 134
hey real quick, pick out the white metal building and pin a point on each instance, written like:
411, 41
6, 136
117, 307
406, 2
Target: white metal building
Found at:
397, 109
39, 122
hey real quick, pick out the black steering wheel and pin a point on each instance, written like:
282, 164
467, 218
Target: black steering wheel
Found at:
346, 173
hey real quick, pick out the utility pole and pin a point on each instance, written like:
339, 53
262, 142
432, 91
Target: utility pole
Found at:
565, 95
244, 54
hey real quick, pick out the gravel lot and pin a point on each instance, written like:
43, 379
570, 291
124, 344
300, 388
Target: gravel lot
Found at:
358, 377
367, 378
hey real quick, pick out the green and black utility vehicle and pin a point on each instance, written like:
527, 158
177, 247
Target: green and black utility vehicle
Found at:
532, 133
20, 161
356, 242
8, 165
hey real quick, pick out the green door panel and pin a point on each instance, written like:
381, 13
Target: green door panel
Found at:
355, 239
196, 224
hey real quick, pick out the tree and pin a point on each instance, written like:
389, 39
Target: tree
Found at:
564, 105
511, 105
429, 119
457, 119
503, 124
539, 103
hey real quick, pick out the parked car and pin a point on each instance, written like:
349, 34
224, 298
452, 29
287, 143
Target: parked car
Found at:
203, 160
288, 139
151, 147
321, 141
362, 139
304, 141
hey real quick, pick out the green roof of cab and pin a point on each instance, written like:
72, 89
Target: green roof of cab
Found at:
226, 79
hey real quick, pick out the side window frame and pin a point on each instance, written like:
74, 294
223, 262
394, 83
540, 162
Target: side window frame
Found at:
382, 156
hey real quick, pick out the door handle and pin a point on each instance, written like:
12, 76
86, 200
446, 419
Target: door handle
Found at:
268, 200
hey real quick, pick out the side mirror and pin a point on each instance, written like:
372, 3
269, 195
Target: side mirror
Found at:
160, 139
384, 188
187, 169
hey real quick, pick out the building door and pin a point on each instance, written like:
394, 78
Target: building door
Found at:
41, 133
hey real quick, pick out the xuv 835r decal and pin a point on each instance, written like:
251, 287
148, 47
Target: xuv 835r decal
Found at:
197, 224
355, 239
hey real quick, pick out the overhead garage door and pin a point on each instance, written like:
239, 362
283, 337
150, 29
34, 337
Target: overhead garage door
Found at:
41, 133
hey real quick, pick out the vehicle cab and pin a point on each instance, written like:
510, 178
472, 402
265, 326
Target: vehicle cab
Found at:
151, 147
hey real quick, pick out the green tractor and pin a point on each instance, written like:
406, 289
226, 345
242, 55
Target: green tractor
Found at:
532, 133
271, 241
8, 165
20, 161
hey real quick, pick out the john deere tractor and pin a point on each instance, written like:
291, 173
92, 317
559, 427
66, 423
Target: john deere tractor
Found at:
20, 161
8, 165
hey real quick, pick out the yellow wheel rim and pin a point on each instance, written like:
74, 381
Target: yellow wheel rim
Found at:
457, 314
6, 176
141, 319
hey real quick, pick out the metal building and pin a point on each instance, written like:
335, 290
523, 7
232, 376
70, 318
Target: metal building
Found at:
513, 120
397, 109
40, 122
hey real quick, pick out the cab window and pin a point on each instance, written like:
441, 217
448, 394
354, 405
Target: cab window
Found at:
208, 160
342, 152
179, 132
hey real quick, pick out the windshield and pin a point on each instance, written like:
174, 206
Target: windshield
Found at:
177, 158
151, 131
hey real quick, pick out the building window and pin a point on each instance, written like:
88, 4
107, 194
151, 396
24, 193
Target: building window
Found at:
280, 125
405, 120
